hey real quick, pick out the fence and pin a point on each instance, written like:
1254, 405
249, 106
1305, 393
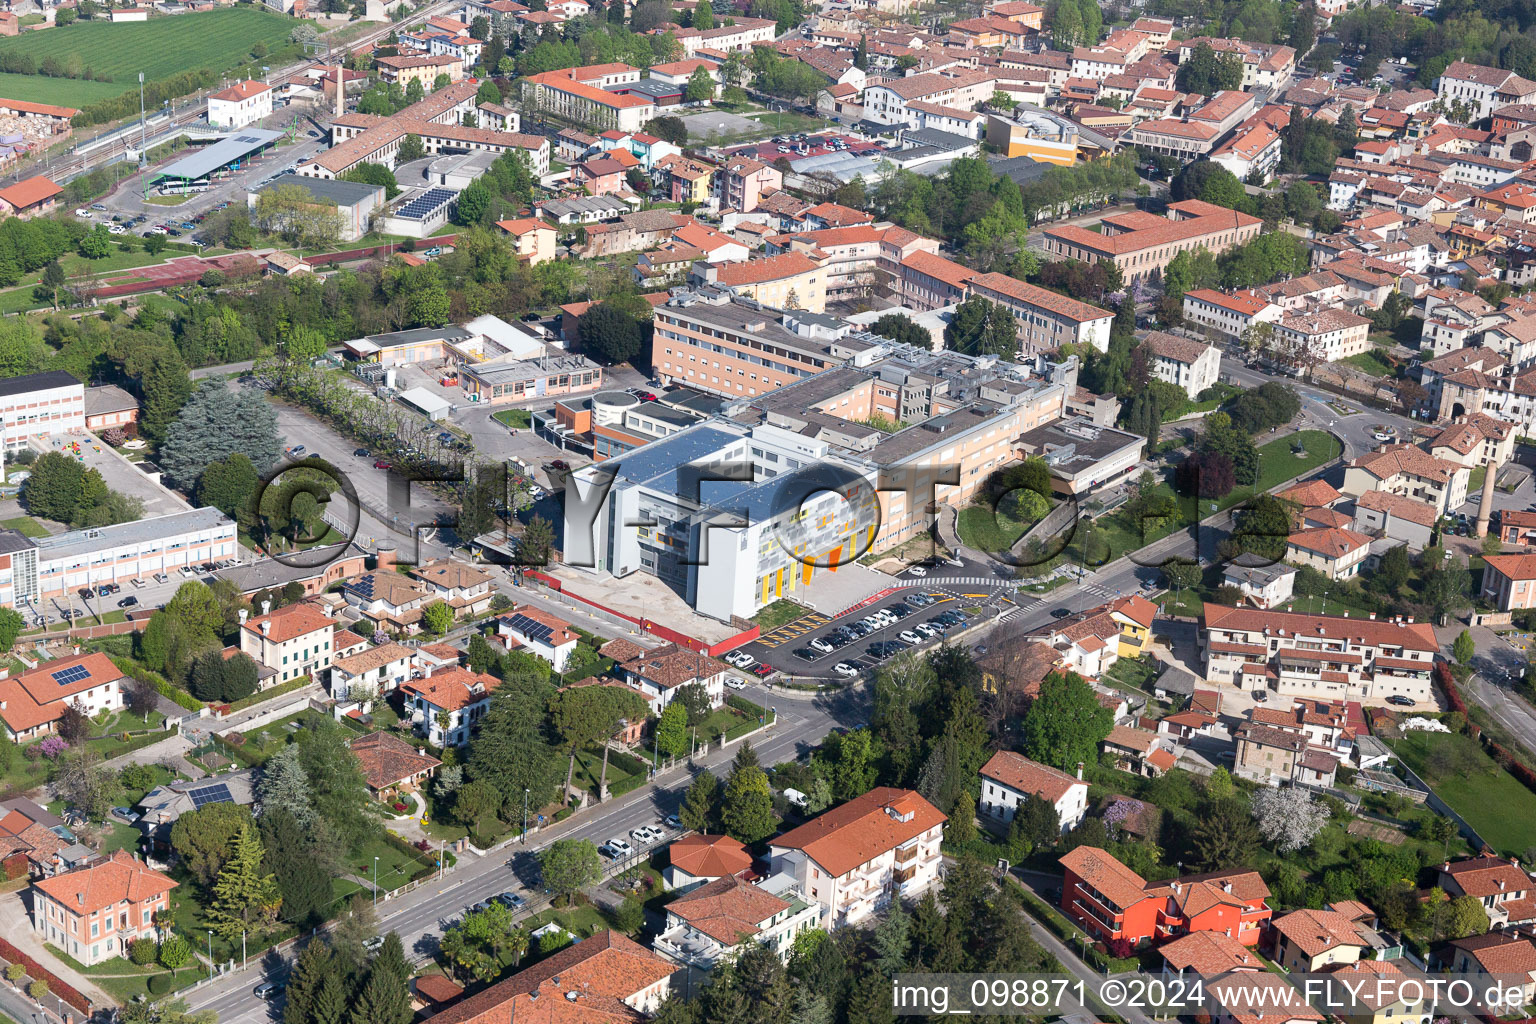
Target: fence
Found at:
1432, 799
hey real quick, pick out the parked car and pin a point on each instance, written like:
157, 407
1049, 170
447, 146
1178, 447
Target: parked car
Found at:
620, 846
161, 577
1400, 700
383, 464
124, 814
763, 670
128, 602
510, 900
296, 450
806, 654
736, 683
673, 821
917, 570
906, 636
823, 645
845, 670
361, 453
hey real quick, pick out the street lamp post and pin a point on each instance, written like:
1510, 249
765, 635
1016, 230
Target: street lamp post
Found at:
143, 141
525, 816
375, 881
210, 954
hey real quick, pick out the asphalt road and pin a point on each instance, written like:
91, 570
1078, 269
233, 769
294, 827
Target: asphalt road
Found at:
420, 916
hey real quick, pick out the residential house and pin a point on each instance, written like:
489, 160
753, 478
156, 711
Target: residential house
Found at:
296, 640
539, 633
659, 673
1207, 954
532, 239
1091, 641
1110, 901
447, 703
1412, 472
604, 979
32, 703
1139, 751
1308, 940
391, 766
1273, 755
1500, 884
1398, 518
1183, 361
373, 671
698, 858
465, 588
94, 912
1263, 585
742, 182
1362, 1001
714, 921
1506, 957
392, 601
1509, 582
1008, 779
1336, 553
856, 857
33, 839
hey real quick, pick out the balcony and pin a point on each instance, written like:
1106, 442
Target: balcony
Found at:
904, 875
906, 854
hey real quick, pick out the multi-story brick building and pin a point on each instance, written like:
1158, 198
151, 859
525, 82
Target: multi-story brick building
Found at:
1140, 243
1047, 319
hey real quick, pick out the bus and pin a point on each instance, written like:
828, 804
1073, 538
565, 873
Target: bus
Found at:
182, 188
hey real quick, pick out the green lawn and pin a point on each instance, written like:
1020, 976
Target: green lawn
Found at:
983, 530
777, 614
395, 866
41, 89
166, 200
159, 47
1277, 464
521, 419
1372, 362
132, 987
580, 921
26, 526
1491, 800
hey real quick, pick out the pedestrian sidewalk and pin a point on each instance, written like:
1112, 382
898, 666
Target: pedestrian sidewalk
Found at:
16, 925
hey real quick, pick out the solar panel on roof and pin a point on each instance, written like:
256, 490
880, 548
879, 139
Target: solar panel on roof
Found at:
531, 628
73, 674
204, 795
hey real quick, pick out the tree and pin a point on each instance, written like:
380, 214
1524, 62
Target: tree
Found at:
220, 680
1392, 572
1205, 475
299, 868
437, 618
746, 811
1464, 648
81, 779
511, 752
902, 329
669, 129
533, 547
284, 785
338, 789
704, 16
671, 736
244, 898
175, 951
1288, 818
611, 334
164, 384
962, 822
314, 966
853, 773
701, 87
229, 485
701, 806
411, 148
1223, 836
569, 865
1466, 917
74, 726
588, 716
1446, 585
216, 423
1066, 723
204, 838
475, 801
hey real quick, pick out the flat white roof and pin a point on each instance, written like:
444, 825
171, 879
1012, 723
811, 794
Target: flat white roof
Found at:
425, 400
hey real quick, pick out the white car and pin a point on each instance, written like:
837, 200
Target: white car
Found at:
926, 630
1382, 435
845, 670
83, 212
735, 683
118, 229
906, 636
620, 847
741, 659
823, 645
916, 570
644, 835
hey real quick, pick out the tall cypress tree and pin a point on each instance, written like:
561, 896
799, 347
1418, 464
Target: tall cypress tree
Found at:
304, 983
330, 1003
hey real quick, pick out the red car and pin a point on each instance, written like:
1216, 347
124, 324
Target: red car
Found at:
762, 669
647, 397
381, 464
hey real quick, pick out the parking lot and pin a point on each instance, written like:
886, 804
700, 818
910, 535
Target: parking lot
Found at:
911, 618
802, 145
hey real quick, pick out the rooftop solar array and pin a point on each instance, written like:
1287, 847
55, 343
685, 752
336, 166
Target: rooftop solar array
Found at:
426, 204
73, 674
362, 586
204, 795
531, 628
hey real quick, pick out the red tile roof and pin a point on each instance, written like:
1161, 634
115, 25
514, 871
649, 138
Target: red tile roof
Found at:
1123, 887
845, 837
30, 192
93, 888
1019, 773
706, 856
290, 623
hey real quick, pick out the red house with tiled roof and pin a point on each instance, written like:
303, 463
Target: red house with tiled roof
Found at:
446, 703
32, 703
1501, 886
1113, 902
93, 913
293, 641
698, 858
606, 979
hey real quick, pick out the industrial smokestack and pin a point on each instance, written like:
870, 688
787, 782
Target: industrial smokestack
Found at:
1485, 507
341, 89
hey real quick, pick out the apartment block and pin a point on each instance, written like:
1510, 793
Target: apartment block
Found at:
1326, 657
1140, 243
855, 858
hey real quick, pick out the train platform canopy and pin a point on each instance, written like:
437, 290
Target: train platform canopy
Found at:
231, 149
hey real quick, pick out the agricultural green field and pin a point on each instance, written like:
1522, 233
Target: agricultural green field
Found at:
159, 47
66, 92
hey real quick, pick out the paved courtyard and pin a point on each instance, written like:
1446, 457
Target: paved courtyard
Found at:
715, 124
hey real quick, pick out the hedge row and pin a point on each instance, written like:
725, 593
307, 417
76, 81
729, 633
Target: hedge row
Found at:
37, 972
163, 686
745, 706
268, 694
1447, 682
